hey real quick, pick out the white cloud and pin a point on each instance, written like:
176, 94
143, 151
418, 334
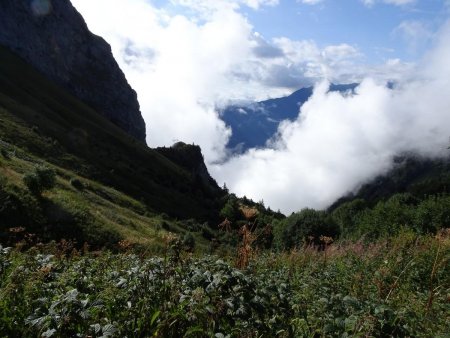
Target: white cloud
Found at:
370, 3
177, 66
210, 6
399, 2
311, 2
184, 67
341, 141
415, 33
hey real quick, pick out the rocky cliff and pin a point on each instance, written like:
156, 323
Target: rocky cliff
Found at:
53, 37
190, 158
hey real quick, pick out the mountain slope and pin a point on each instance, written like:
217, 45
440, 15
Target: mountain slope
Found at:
418, 176
53, 37
255, 123
46, 121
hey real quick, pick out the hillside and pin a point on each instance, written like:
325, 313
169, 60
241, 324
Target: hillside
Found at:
53, 37
128, 185
122, 190
46, 121
411, 174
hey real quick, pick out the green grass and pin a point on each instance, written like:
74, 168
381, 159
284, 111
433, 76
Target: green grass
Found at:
96, 213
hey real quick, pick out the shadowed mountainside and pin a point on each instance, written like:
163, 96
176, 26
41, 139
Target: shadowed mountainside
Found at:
53, 37
46, 121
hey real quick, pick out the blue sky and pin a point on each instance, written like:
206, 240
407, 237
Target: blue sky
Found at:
185, 58
374, 29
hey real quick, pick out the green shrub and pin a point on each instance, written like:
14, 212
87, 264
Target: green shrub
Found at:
18, 208
346, 214
41, 179
432, 214
306, 226
384, 219
207, 232
189, 242
33, 183
231, 209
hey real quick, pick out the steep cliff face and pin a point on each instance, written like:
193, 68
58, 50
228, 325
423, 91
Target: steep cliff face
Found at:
53, 37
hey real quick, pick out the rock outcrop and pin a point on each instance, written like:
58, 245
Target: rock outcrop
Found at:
189, 157
53, 37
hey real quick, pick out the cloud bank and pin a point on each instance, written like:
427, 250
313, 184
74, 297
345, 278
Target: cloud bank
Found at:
185, 66
341, 141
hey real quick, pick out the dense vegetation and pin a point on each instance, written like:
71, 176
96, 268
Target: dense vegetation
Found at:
389, 288
357, 219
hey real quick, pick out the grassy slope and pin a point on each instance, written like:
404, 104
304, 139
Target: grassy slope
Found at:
96, 213
44, 120
129, 187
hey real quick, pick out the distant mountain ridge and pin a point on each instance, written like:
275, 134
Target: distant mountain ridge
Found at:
53, 37
255, 123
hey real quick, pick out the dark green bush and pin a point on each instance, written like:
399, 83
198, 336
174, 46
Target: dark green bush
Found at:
189, 242
306, 226
41, 179
346, 214
231, 209
432, 214
207, 232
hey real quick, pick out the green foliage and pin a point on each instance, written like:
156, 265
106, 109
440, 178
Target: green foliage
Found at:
305, 226
18, 208
231, 209
382, 289
189, 242
389, 217
345, 215
432, 214
41, 179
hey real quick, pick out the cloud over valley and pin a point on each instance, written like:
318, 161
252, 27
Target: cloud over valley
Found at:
185, 64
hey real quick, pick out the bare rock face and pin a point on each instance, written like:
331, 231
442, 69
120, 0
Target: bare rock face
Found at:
53, 37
